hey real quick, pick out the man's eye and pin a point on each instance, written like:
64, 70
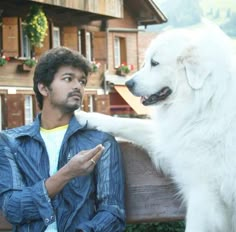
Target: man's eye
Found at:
154, 63
67, 79
83, 82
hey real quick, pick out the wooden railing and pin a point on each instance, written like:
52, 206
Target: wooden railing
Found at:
150, 197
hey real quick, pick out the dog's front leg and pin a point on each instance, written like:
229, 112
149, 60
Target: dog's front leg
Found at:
135, 130
205, 212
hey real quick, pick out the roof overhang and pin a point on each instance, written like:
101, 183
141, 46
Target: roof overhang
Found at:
146, 12
64, 12
132, 101
96, 7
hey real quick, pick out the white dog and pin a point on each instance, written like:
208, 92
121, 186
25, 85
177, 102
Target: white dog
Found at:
188, 79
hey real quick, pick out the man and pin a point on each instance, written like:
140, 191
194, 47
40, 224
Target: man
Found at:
58, 175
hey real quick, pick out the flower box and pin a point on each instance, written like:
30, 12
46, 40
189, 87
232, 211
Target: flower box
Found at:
124, 69
95, 80
24, 68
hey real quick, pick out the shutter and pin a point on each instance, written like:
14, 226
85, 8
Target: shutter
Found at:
10, 32
70, 37
14, 110
99, 47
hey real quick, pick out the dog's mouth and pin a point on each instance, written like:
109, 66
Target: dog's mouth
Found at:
156, 97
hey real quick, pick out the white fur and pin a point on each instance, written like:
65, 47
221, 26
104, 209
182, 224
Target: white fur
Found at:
193, 131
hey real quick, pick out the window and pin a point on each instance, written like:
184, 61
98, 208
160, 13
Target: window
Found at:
25, 43
28, 109
1, 38
91, 103
79, 41
88, 46
56, 37
88, 103
119, 51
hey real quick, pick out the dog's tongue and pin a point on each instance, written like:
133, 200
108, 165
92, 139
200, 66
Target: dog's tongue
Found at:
150, 100
154, 98
142, 99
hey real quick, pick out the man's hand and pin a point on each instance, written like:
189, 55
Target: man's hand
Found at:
81, 164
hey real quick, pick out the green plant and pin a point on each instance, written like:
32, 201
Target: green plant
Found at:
4, 60
31, 62
156, 227
36, 26
124, 69
95, 66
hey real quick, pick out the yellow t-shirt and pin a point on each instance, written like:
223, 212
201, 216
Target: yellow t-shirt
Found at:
53, 139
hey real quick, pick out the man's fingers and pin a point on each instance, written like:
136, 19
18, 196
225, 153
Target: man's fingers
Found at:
97, 156
94, 154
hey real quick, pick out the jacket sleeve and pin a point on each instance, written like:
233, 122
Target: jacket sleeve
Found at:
20, 203
110, 215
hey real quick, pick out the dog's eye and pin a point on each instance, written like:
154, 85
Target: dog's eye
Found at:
154, 63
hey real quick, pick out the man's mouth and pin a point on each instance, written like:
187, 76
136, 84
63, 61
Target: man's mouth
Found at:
76, 95
156, 97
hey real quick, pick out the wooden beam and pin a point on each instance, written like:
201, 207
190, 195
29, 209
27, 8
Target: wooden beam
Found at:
110, 8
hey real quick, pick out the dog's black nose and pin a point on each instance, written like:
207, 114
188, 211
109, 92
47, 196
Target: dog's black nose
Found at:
130, 84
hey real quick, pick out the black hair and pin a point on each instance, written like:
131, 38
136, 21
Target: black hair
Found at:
51, 61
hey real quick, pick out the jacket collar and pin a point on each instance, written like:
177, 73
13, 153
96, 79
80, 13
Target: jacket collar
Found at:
33, 129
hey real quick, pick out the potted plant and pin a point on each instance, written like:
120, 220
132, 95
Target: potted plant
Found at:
96, 76
95, 66
4, 60
28, 64
36, 26
124, 69
31, 62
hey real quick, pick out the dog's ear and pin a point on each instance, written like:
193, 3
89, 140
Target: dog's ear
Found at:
196, 67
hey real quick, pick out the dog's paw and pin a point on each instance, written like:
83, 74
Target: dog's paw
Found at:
82, 117
92, 120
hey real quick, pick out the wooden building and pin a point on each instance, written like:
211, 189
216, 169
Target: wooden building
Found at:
103, 31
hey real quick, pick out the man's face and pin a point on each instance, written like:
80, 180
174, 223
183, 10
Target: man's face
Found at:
67, 89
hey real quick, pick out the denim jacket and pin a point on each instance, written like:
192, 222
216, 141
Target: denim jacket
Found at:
91, 203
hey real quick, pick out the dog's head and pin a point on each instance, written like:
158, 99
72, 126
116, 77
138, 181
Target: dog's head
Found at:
177, 63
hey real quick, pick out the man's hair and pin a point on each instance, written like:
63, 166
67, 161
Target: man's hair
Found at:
51, 61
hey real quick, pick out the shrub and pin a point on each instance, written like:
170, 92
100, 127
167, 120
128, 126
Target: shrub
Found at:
156, 227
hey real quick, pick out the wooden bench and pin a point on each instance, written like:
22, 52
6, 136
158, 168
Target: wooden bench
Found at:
150, 197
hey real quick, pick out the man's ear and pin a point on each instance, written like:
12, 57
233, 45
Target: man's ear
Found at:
43, 89
197, 68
